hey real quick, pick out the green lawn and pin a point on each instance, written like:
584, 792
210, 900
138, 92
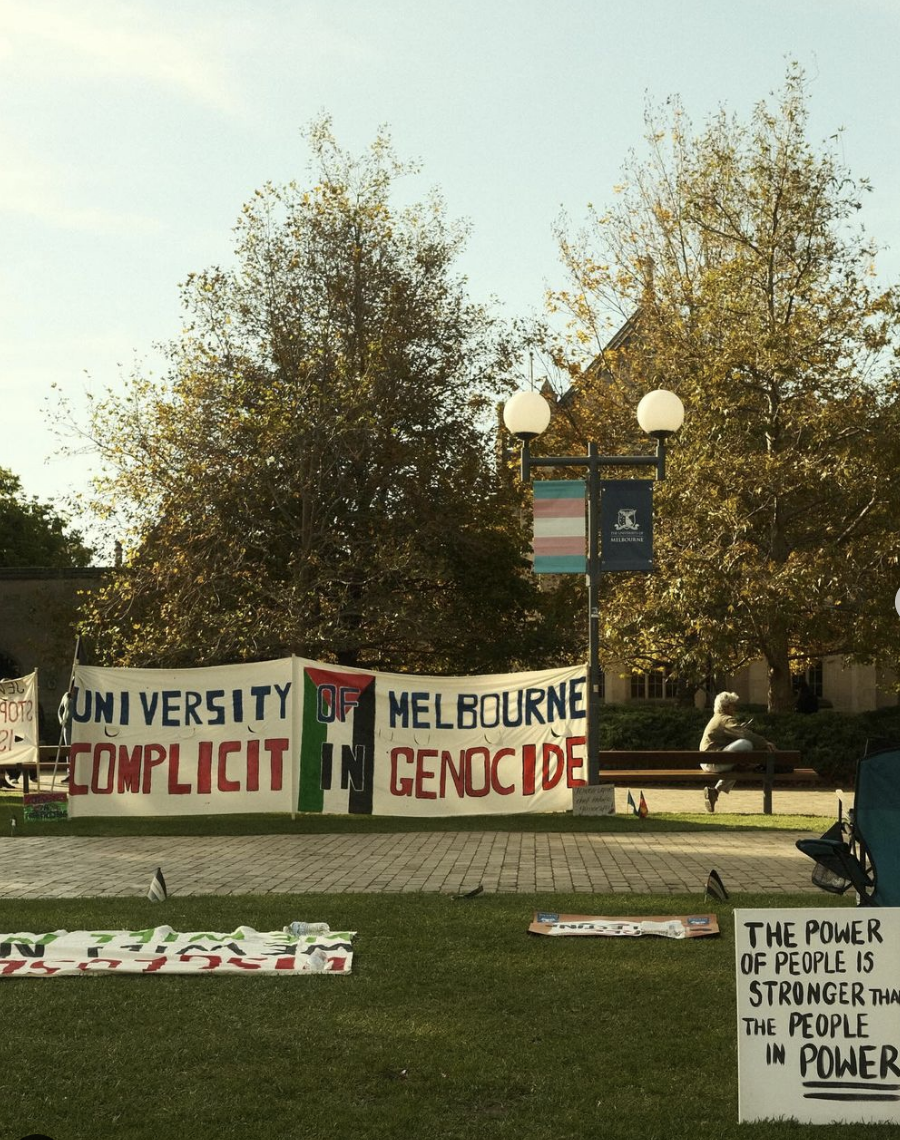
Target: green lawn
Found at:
454, 1024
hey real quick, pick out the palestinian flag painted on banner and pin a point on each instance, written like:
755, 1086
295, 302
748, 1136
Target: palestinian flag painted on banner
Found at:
337, 741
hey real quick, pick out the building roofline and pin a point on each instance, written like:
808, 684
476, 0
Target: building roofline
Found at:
23, 573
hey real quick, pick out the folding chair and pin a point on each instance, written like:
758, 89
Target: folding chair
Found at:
863, 852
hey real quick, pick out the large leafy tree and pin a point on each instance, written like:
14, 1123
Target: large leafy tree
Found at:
315, 474
749, 287
33, 534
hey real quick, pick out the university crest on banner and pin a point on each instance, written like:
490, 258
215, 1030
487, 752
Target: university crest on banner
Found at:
626, 525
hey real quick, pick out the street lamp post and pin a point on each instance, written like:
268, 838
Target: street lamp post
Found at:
660, 413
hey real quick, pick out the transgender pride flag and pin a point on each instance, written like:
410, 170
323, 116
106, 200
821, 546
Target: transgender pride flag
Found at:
559, 527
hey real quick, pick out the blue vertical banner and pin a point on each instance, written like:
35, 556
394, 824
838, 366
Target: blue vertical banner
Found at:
626, 525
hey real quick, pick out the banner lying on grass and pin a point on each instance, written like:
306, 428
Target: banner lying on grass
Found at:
162, 950
622, 926
19, 721
295, 735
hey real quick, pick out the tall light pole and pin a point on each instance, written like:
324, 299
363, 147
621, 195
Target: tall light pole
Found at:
526, 415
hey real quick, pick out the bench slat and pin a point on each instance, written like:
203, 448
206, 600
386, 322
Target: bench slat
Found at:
694, 775
619, 766
625, 759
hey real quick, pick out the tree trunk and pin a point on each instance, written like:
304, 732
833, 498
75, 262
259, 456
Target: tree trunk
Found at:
781, 692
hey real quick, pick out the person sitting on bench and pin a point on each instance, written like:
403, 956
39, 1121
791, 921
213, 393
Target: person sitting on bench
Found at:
724, 733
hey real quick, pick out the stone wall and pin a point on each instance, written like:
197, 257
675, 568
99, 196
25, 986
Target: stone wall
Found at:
38, 615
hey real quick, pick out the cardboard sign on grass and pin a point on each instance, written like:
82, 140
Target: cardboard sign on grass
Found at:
624, 926
818, 1014
43, 807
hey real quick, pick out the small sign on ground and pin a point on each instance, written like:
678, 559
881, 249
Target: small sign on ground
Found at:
595, 799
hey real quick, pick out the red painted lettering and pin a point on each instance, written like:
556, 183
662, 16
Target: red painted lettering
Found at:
252, 765
224, 784
529, 766
43, 968
276, 749
204, 768
246, 963
129, 771
101, 752
404, 786
213, 961
574, 762
176, 789
154, 755
503, 789
155, 964
549, 781
456, 772
485, 757
423, 774
76, 750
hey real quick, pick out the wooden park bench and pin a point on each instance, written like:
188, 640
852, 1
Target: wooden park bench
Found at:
47, 760
767, 768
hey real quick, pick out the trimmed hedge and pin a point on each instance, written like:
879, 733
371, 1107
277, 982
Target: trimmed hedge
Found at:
829, 741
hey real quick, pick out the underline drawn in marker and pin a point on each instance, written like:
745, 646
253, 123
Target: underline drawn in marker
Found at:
851, 1091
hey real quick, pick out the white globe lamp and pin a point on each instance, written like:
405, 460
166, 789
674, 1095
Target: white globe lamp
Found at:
526, 414
660, 413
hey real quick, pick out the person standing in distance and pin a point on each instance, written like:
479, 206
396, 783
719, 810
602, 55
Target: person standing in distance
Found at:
725, 733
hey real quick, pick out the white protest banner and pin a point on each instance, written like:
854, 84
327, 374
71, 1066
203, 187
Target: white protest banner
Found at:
393, 744
162, 950
182, 742
298, 735
818, 1014
19, 723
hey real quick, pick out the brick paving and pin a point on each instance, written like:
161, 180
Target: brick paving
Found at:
444, 862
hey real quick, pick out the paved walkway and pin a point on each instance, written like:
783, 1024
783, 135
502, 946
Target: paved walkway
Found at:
448, 862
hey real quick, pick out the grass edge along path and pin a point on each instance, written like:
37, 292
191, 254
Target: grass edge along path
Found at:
455, 1024
315, 824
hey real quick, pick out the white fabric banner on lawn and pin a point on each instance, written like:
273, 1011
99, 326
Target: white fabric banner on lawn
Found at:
395, 744
299, 735
162, 950
19, 724
181, 742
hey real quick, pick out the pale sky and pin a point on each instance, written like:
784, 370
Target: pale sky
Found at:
133, 130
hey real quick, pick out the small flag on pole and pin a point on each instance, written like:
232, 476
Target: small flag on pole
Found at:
715, 888
157, 892
643, 810
473, 894
632, 804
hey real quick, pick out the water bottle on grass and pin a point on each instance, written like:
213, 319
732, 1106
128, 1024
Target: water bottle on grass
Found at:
298, 928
